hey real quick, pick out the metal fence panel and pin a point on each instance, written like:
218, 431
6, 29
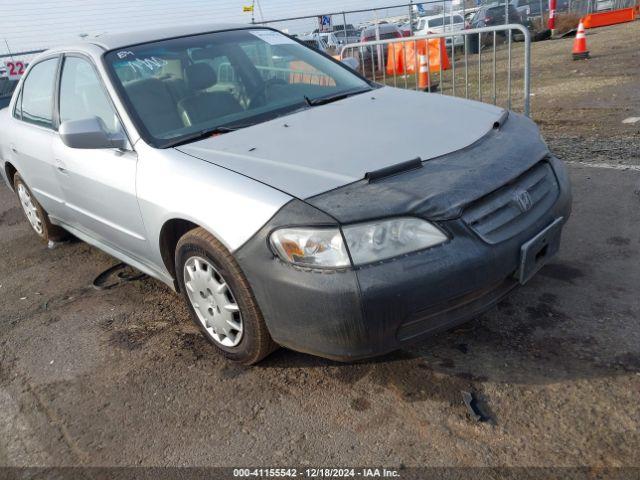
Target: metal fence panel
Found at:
482, 65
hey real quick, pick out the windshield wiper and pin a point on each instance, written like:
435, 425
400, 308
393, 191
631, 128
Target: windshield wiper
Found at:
201, 135
314, 102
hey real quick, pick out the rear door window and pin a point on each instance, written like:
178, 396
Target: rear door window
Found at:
37, 93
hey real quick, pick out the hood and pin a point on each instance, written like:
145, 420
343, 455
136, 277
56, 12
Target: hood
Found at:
444, 186
326, 147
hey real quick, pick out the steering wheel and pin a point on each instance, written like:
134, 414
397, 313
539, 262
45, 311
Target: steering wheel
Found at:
259, 97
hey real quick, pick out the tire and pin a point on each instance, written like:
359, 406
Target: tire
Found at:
202, 260
36, 215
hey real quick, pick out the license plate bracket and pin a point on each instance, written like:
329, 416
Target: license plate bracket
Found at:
535, 253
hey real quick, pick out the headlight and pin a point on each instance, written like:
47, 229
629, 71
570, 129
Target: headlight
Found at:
371, 242
311, 247
367, 242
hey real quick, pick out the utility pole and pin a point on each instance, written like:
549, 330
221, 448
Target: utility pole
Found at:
8, 49
411, 17
257, 2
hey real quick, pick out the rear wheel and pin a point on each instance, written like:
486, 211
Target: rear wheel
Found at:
37, 217
220, 298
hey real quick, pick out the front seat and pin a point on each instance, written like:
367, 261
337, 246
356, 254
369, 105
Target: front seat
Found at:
203, 106
154, 105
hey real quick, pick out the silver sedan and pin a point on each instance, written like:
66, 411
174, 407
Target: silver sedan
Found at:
291, 201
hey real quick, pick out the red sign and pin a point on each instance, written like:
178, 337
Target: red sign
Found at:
15, 69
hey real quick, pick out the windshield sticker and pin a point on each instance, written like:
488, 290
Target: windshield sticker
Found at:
124, 54
272, 38
149, 64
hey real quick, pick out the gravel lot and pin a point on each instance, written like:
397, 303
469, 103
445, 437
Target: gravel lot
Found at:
121, 377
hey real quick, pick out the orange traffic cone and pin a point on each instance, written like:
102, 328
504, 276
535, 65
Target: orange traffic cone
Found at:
580, 51
423, 76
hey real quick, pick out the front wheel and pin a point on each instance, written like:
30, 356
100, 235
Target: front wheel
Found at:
220, 299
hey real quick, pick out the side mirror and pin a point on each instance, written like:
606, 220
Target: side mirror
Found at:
90, 133
352, 63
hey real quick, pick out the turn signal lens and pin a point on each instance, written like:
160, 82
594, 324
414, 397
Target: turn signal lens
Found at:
372, 242
311, 247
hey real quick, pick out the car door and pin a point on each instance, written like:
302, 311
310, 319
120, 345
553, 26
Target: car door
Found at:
99, 185
32, 136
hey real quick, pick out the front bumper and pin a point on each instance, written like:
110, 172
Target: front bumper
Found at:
371, 310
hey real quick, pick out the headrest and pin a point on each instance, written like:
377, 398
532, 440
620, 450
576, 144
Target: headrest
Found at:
143, 86
200, 76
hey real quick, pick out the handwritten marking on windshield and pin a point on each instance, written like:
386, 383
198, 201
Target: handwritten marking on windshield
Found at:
147, 64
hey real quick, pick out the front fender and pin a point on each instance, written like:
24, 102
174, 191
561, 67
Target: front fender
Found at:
173, 185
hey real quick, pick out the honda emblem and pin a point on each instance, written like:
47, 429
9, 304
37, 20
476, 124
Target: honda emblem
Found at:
523, 200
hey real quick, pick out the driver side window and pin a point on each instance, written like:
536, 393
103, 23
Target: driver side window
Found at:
82, 95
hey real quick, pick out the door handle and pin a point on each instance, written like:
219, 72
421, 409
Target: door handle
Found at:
13, 148
60, 166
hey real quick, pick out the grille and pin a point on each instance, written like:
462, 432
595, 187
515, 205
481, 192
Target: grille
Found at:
505, 212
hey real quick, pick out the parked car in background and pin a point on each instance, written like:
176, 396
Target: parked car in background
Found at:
314, 41
226, 193
330, 40
452, 22
494, 14
468, 14
531, 8
604, 5
6, 89
374, 57
382, 31
405, 29
346, 35
527, 9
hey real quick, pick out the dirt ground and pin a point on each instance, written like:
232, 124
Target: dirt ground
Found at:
122, 377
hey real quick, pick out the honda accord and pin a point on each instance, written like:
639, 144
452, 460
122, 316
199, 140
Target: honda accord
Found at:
289, 200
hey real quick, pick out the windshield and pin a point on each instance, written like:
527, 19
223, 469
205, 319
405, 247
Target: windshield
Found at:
449, 19
177, 88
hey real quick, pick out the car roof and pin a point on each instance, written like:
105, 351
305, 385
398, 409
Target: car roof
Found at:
120, 40
494, 5
383, 26
433, 17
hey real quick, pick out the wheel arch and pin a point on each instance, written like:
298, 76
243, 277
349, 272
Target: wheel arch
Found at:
170, 234
10, 172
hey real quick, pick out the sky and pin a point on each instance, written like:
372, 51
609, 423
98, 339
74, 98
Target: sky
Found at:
38, 24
